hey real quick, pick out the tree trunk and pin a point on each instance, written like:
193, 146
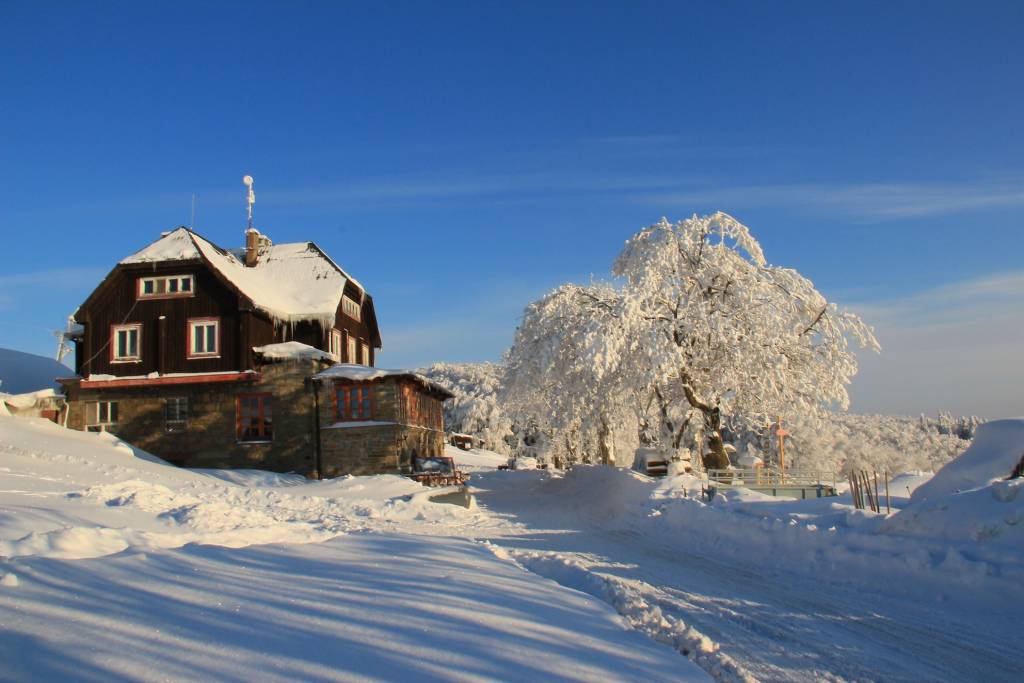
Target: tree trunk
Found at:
715, 458
604, 438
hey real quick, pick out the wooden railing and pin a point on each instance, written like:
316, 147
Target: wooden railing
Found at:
763, 476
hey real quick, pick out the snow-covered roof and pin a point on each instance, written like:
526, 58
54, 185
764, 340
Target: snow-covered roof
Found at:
291, 350
176, 245
290, 282
362, 373
31, 398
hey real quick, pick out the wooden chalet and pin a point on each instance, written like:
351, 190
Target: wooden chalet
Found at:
210, 357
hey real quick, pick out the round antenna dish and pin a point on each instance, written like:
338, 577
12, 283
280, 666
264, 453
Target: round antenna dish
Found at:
247, 180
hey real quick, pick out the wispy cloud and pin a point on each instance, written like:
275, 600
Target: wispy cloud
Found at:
870, 202
986, 296
54, 277
866, 202
956, 347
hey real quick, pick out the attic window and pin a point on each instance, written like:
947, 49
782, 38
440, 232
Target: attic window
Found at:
350, 307
166, 286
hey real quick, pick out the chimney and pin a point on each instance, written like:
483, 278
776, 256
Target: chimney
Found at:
252, 247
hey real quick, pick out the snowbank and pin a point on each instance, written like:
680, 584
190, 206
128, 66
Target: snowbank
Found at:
21, 372
976, 540
997, 447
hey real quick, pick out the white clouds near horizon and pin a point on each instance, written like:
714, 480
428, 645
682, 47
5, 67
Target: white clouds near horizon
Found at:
957, 348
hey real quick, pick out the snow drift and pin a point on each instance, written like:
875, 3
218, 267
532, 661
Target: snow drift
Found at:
997, 447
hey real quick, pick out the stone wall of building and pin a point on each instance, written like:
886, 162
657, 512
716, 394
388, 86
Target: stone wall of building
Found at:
384, 445
209, 438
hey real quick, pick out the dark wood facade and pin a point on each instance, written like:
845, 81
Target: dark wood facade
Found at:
164, 324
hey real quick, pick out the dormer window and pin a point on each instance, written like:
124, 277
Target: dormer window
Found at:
350, 307
166, 286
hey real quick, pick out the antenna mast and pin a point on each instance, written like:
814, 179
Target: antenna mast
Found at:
250, 197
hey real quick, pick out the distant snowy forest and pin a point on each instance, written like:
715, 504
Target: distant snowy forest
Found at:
840, 441
695, 349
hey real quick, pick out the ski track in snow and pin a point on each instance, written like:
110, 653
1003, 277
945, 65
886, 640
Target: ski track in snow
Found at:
760, 626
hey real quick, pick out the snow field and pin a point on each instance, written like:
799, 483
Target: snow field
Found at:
116, 566
385, 607
767, 588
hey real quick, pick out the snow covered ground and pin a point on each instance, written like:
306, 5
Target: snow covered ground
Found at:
116, 566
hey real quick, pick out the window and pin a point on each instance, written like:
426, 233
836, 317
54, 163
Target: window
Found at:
366, 355
176, 413
203, 337
352, 350
254, 417
350, 307
125, 343
335, 347
165, 286
353, 402
103, 416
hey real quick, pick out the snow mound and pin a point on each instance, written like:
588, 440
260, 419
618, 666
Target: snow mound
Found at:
990, 515
475, 458
22, 373
997, 447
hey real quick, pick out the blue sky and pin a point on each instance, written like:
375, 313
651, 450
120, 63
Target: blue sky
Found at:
461, 159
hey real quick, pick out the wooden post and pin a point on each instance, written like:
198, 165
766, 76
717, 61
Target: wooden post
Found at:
782, 445
867, 489
878, 501
888, 506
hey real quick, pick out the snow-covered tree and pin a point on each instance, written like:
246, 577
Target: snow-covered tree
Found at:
560, 380
475, 409
741, 339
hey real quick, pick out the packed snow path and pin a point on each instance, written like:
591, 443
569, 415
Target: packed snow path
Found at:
775, 627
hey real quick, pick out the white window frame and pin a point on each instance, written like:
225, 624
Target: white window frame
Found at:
352, 350
366, 354
351, 308
335, 344
99, 424
181, 410
177, 282
193, 323
115, 331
